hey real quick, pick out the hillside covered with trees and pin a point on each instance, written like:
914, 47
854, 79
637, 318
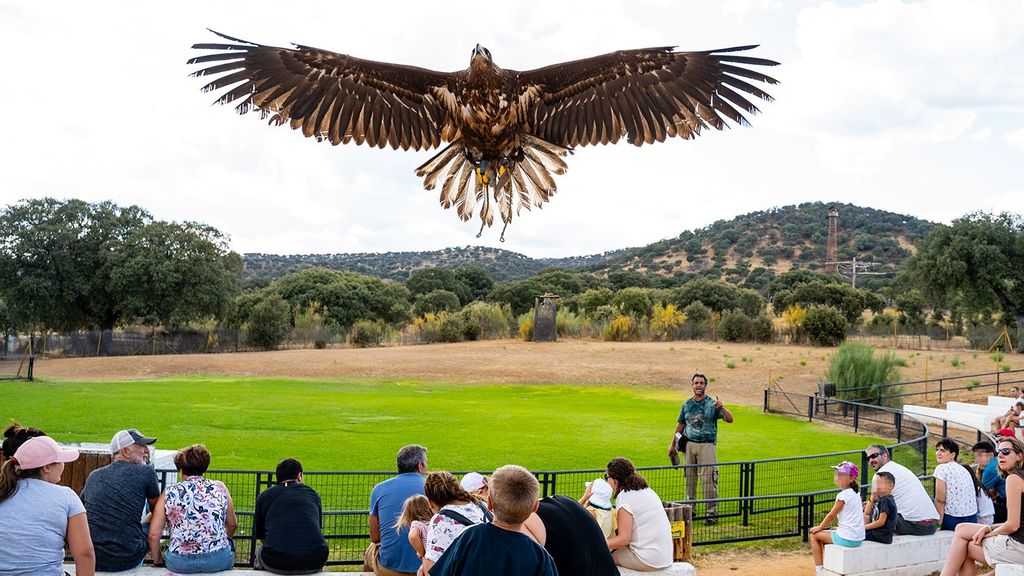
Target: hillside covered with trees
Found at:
747, 250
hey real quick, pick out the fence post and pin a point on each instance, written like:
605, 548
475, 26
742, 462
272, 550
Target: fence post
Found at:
856, 417
766, 400
940, 392
744, 490
945, 429
31, 365
804, 517
997, 383
897, 421
252, 533
810, 408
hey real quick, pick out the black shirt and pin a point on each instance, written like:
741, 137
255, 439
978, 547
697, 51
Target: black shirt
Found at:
486, 550
885, 504
288, 520
574, 539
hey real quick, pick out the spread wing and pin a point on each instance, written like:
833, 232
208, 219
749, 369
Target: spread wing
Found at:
646, 95
331, 96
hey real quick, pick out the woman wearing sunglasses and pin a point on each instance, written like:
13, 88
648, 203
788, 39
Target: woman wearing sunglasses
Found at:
1001, 543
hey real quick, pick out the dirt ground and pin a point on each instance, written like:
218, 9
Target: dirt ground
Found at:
796, 369
754, 563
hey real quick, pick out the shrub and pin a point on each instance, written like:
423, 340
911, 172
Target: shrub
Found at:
567, 324
1005, 367
698, 319
859, 373
320, 343
667, 322
997, 356
604, 313
436, 301
269, 323
452, 327
526, 328
492, 320
730, 363
633, 301
825, 325
956, 362
794, 317
735, 326
621, 329
762, 329
366, 333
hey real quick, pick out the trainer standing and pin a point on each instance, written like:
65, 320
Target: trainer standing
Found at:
697, 435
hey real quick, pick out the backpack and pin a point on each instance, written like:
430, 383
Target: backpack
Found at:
452, 514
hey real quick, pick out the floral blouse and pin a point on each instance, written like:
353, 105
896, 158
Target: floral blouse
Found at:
444, 530
196, 509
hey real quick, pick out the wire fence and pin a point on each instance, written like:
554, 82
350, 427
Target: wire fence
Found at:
16, 366
756, 500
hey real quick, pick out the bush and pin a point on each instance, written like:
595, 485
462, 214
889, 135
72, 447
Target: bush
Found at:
567, 324
735, 326
604, 313
825, 325
320, 343
698, 319
762, 329
366, 333
452, 328
667, 322
633, 301
526, 328
269, 323
493, 320
436, 301
622, 329
859, 373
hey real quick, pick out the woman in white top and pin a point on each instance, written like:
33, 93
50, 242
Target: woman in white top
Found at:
956, 488
454, 511
644, 538
36, 515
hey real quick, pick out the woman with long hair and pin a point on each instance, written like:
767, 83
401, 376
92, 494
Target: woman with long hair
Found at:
200, 517
1000, 543
37, 515
956, 488
643, 541
454, 508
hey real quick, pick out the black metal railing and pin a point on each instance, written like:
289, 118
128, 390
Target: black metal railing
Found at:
935, 388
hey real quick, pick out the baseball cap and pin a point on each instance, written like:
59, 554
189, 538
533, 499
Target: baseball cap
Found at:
848, 468
1006, 432
601, 493
40, 451
473, 481
125, 438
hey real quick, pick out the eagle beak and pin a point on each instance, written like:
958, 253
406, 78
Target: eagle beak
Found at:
478, 50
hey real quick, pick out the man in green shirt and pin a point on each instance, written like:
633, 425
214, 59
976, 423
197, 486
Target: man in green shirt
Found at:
698, 423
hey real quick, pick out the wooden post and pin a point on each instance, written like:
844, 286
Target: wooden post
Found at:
680, 517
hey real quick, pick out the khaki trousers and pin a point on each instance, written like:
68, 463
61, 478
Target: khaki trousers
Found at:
371, 563
626, 558
702, 454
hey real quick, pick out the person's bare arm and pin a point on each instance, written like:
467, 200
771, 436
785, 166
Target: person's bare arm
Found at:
940, 497
829, 518
882, 517
673, 447
726, 415
416, 541
80, 544
374, 529
624, 531
156, 529
230, 520
534, 528
1014, 487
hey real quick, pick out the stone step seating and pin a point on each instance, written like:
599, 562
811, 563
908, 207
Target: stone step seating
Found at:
906, 556
962, 414
1010, 570
677, 569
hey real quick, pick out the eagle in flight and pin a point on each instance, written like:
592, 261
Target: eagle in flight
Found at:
505, 132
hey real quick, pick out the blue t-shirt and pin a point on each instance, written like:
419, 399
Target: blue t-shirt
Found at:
486, 550
33, 526
386, 501
990, 478
701, 419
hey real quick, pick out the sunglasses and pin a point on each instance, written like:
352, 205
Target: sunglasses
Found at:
605, 477
873, 456
1005, 451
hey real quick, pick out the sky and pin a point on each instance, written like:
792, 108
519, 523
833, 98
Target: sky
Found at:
911, 107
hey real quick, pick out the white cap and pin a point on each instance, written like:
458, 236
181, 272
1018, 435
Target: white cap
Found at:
125, 438
473, 481
601, 493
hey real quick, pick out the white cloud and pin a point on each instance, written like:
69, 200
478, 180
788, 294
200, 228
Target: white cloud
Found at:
882, 103
1015, 138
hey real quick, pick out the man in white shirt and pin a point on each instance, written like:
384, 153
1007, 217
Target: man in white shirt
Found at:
916, 514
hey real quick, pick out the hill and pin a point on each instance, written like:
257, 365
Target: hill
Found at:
742, 250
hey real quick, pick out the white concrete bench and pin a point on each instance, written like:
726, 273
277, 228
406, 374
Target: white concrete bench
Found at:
1009, 570
906, 556
1002, 402
956, 419
677, 569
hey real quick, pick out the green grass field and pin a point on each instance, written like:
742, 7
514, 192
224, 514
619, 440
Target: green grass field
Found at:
251, 423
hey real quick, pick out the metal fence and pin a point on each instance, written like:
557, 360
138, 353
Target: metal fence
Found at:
937, 389
16, 366
757, 500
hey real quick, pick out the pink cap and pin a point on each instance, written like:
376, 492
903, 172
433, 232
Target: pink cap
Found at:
848, 468
40, 451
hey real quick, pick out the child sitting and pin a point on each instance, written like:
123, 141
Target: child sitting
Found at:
850, 532
597, 499
416, 513
880, 513
499, 548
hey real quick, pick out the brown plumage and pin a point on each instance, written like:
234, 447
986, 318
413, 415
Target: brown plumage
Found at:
506, 131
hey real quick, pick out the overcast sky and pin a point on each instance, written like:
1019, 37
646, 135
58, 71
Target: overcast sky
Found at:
913, 107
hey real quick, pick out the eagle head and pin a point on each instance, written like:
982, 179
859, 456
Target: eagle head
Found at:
481, 57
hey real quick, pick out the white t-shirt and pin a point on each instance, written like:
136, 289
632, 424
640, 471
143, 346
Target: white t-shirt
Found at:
912, 501
851, 517
444, 530
961, 499
985, 506
33, 525
651, 540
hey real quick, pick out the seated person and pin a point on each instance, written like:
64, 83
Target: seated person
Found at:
880, 513
1012, 419
416, 515
567, 531
289, 521
643, 539
597, 499
500, 548
476, 484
